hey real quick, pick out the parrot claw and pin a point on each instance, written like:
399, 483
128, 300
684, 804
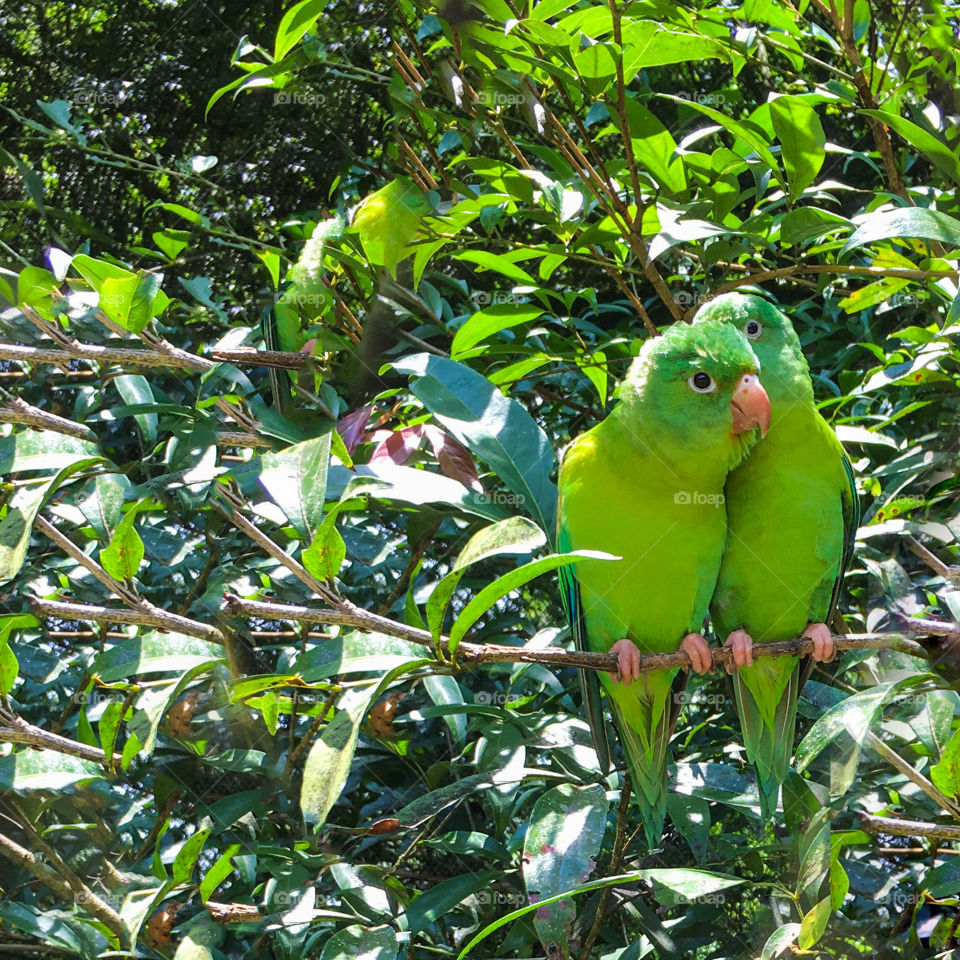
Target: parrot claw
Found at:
696, 648
824, 647
628, 661
741, 644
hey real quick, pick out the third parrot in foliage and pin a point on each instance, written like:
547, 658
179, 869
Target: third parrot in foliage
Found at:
792, 515
646, 485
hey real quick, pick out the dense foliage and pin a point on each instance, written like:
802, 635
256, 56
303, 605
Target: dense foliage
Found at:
446, 231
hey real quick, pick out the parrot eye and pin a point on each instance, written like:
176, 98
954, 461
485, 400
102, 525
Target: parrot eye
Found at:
702, 382
753, 329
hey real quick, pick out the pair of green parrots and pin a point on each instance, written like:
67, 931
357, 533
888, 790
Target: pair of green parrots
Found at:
721, 488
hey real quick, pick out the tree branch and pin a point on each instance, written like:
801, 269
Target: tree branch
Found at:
901, 765
471, 654
66, 887
17, 730
19, 411
145, 611
908, 828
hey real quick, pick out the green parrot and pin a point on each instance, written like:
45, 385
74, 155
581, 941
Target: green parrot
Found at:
646, 485
792, 515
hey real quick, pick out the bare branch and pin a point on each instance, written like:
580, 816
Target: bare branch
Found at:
17, 730
144, 615
472, 654
19, 411
145, 611
66, 887
908, 828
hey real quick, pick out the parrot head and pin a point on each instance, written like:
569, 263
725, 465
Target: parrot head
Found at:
786, 375
699, 387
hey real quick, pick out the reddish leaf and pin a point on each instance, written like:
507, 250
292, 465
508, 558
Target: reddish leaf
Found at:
400, 446
351, 427
454, 458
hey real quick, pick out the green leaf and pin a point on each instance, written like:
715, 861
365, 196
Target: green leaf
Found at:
946, 774
295, 23
942, 157
22, 509
103, 508
122, 556
515, 535
440, 899
296, 481
30, 769
388, 220
431, 804
750, 135
691, 816
814, 923
811, 223
511, 581
16, 526
559, 850
186, 858
9, 666
485, 323
802, 141
852, 717
491, 426
905, 222
362, 943
647, 43
328, 763
654, 148
135, 389
325, 555
444, 690
219, 872
497, 263
43, 450
154, 652
778, 941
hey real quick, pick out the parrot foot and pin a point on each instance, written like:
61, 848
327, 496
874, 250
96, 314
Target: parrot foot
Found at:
823, 646
696, 648
628, 661
741, 644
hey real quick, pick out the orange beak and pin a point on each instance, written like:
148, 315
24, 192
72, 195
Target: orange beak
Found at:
750, 405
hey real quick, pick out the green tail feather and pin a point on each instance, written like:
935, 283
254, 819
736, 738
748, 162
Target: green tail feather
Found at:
644, 722
767, 706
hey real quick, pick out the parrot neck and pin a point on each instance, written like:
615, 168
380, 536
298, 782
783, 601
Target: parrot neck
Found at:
681, 454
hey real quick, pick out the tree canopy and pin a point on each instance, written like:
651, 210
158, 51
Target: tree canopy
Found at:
300, 305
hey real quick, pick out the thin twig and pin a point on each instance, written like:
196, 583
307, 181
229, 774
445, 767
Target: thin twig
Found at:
896, 761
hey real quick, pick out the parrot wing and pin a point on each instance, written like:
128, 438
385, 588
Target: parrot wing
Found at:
589, 680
